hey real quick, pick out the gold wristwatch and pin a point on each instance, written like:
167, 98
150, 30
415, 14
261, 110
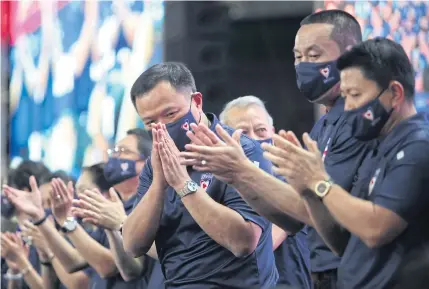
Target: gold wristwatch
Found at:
322, 188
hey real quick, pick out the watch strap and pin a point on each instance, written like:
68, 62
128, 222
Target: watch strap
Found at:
41, 221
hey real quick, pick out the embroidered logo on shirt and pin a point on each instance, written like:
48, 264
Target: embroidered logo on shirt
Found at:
185, 126
400, 155
372, 182
369, 115
325, 71
205, 180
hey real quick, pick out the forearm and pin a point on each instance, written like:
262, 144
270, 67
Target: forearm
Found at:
278, 235
141, 226
358, 216
129, 267
271, 198
334, 236
222, 224
14, 283
75, 280
49, 277
31, 277
95, 254
62, 250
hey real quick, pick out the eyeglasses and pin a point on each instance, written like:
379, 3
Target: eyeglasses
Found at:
117, 151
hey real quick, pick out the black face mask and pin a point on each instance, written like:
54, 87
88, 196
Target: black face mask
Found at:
177, 129
368, 121
315, 79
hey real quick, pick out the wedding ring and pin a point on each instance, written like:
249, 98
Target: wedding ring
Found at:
203, 162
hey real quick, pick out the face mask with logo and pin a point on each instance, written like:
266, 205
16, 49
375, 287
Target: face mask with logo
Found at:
177, 130
118, 170
315, 79
368, 121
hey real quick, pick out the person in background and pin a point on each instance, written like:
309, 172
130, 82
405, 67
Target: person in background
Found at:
387, 210
15, 252
53, 272
320, 41
249, 114
18, 177
91, 248
122, 170
205, 235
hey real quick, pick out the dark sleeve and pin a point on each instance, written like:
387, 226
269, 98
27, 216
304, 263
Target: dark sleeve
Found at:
315, 131
145, 180
233, 200
405, 188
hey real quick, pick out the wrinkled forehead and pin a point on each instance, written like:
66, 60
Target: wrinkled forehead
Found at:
250, 115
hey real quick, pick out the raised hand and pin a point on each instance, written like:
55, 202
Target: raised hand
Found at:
13, 249
29, 203
61, 200
30, 231
158, 173
301, 168
92, 207
175, 173
220, 156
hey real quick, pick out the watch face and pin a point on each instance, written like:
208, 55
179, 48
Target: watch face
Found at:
321, 188
192, 186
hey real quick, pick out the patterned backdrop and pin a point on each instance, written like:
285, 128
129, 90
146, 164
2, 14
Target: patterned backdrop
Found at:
406, 22
72, 64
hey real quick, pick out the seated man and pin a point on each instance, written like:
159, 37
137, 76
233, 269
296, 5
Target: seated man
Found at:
290, 250
205, 234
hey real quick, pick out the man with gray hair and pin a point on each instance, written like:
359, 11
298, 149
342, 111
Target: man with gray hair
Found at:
249, 114
291, 252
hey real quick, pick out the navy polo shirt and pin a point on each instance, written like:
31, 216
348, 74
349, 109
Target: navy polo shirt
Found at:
189, 257
343, 155
394, 175
293, 261
117, 282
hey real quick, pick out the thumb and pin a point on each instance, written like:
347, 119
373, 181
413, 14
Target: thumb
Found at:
113, 195
33, 184
237, 135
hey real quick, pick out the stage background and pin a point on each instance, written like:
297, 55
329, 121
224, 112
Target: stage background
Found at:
72, 64
406, 22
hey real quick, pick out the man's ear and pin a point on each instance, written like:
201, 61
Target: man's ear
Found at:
197, 98
398, 93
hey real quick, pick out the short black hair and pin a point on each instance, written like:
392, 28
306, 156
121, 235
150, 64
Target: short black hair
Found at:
176, 73
144, 141
26, 169
57, 174
97, 174
382, 61
346, 29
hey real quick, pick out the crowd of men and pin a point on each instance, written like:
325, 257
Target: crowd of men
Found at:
197, 202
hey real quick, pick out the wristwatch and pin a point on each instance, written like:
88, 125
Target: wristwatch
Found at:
322, 188
189, 188
69, 225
